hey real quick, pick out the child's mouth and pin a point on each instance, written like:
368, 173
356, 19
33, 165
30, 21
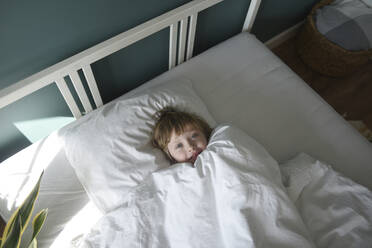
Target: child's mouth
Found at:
194, 156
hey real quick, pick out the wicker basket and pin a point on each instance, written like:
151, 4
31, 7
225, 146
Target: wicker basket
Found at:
323, 55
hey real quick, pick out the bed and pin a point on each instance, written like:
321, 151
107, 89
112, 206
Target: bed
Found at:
241, 88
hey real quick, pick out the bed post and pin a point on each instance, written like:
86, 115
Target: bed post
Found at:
251, 15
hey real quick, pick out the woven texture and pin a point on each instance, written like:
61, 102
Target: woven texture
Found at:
348, 23
323, 55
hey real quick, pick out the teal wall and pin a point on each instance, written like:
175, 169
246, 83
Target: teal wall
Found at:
37, 34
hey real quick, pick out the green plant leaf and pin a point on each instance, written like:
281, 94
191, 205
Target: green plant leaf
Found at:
37, 224
33, 244
9, 225
21, 217
28, 205
13, 238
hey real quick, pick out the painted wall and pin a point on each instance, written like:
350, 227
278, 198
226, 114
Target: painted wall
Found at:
37, 34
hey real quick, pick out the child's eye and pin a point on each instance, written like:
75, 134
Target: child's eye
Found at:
195, 135
179, 145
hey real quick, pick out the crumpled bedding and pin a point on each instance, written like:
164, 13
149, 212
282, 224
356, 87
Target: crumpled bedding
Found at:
336, 210
233, 197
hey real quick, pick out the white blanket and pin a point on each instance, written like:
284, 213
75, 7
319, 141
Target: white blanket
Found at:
234, 197
336, 210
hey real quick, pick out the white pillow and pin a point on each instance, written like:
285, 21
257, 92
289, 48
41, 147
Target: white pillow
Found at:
336, 210
60, 189
110, 148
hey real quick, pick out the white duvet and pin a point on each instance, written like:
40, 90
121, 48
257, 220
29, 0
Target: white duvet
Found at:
336, 210
233, 197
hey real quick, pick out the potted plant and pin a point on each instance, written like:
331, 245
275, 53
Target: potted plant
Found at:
19, 220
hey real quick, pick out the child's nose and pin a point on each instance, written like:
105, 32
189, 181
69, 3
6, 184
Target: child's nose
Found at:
191, 146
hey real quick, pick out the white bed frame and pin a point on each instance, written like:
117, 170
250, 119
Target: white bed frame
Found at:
185, 15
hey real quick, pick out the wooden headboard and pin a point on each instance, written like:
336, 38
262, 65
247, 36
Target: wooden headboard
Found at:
182, 24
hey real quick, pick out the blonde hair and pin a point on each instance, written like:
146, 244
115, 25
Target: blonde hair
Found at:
170, 119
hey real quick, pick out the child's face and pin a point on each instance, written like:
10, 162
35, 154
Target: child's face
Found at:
188, 145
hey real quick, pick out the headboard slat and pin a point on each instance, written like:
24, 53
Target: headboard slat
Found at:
251, 15
182, 41
191, 36
78, 85
62, 86
173, 45
89, 76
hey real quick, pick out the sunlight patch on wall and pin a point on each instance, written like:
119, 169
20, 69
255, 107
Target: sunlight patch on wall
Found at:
37, 129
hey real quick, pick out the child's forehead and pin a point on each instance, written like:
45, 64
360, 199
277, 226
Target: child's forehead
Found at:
185, 128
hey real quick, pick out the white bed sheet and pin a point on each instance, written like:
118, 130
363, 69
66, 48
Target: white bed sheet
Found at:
336, 211
242, 82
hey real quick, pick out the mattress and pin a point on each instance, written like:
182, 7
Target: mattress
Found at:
243, 83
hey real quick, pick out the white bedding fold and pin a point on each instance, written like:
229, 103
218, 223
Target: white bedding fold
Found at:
336, 210
233, 198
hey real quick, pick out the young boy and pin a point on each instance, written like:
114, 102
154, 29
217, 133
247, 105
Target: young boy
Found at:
180, 135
